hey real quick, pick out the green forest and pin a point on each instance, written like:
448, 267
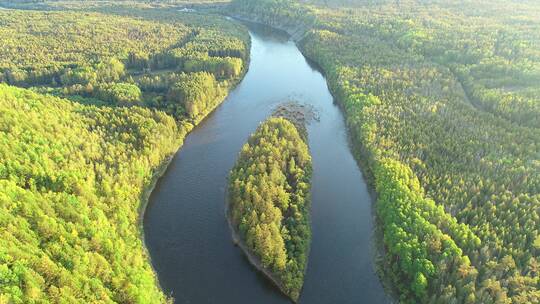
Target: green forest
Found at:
134, 59
269, 201
71, 180
441, 100
442, 103
93, 103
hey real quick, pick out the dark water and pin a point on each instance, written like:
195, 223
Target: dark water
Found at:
185, 227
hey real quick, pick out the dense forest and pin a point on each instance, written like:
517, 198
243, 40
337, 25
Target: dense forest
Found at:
131, 61
107, 97
71, 178
443, 106
269, 189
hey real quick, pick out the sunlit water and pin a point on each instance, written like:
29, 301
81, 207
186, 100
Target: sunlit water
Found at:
185, 226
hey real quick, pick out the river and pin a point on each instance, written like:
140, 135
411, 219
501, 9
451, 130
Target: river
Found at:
185, 228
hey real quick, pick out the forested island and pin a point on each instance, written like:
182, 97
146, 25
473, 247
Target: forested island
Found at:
442, 104
269, 201
107, 96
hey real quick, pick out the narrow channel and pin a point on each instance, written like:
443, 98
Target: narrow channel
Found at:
185, 227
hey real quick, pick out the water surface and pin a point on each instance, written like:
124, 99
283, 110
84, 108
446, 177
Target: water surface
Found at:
185, 226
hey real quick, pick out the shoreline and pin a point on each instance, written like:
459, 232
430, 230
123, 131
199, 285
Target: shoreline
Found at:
253, 260
161, 169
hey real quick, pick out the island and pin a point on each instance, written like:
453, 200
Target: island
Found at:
269, 202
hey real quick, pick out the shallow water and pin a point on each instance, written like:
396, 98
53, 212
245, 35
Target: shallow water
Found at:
185, 227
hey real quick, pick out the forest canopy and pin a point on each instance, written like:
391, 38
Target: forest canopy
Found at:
131, 58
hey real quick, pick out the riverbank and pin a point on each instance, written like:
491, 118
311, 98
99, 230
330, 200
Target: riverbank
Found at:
162, 168
295, 32
145, 198
253, 260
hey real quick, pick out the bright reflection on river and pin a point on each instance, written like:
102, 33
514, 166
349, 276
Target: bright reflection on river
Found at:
185, 227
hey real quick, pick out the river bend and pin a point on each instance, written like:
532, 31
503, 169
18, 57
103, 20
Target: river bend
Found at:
185, 228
